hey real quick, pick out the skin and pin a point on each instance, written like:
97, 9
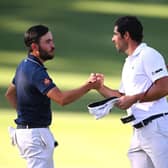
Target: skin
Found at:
45, 51
158, 90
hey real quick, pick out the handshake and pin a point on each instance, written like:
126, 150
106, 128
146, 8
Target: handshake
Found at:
96, 80
101, 108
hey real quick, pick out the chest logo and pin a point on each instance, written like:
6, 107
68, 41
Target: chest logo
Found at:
47, 81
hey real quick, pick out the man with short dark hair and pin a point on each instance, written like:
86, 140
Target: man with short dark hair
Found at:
30, 94
143, 90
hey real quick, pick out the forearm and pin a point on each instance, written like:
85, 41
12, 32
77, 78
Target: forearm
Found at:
107, 92
12, 101
11, 96
72, 95
158, 90
151, 95
65, 97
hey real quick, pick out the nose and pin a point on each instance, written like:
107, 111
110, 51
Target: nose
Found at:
112, 39
53, 45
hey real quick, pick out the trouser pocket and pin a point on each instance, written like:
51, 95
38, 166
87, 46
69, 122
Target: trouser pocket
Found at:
12, 134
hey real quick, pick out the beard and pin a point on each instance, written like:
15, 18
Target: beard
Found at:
44, 55
122, 47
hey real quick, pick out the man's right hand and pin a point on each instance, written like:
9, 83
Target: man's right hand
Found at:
96, 80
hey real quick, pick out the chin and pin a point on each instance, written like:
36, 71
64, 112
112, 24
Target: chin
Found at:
52, 56
118, 49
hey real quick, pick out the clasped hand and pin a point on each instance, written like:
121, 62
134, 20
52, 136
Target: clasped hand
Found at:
96, 80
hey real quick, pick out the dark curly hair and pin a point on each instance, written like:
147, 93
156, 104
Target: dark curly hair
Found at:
132, 25
33, 34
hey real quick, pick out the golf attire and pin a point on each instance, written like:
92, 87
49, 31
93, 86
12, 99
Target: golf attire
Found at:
149, 144
32, 135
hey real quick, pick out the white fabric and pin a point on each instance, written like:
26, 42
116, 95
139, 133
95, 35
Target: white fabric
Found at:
12, 134
149, 145
35, 145
102, 110
140, 70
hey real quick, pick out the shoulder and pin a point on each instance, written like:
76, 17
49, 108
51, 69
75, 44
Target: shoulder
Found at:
39, 72
150, 54
149, 51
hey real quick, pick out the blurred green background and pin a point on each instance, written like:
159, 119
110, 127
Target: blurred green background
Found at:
82, 31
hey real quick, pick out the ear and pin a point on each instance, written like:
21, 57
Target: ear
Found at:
126, 35
34, 47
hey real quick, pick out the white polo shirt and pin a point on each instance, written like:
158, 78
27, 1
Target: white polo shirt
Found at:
140, 70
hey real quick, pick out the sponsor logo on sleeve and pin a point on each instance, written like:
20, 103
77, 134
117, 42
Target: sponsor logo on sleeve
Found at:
47, 81
157, 71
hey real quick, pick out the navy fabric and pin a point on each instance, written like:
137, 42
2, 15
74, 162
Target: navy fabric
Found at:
32, 84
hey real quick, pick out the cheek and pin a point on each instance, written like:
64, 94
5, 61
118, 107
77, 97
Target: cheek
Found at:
118, 42
114, 39
45, 47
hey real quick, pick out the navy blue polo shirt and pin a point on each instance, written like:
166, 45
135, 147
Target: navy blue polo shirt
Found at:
32, 84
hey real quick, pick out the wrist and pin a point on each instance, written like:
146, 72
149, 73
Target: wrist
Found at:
100, 88
88, 85
139, 98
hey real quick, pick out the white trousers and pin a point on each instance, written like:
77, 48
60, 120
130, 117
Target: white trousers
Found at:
149, 145
35, 145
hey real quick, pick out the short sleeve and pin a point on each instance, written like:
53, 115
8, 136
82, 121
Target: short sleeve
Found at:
154, 64
42, 81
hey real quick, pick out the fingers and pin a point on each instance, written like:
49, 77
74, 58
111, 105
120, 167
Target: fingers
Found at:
125, 102
92, 78
99, 77
96, 80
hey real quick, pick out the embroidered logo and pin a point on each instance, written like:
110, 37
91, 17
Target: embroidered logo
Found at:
47, 81
157, 71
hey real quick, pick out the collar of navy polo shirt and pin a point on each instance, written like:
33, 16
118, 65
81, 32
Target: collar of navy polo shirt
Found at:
35, 60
